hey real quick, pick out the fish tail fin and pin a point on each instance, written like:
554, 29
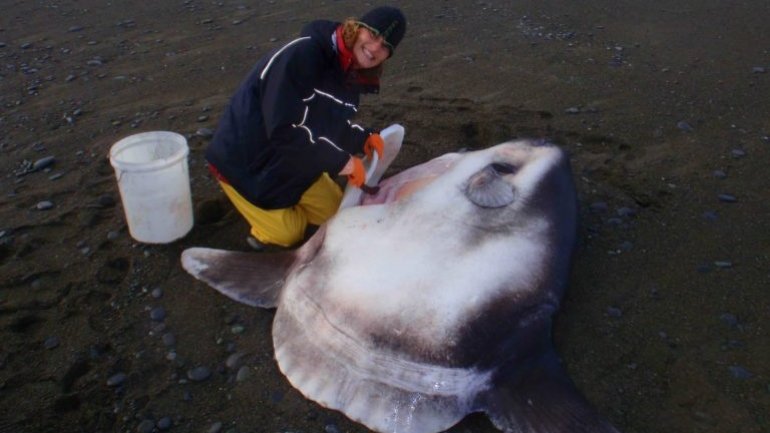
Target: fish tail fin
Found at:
254, 279
541, 399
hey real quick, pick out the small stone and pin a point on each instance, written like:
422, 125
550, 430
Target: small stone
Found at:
710, 215
758, 70
106, 200
44, 205
199, 374
146, 426
203, 118
112, 235
741, 373
169, 339
727, 198
723, 264
74, 29
204, 132
215, 428
116, 379
165, 423
720, 174
158, 314
730, 320
233, 360
626, 212
43, 163
572, 110
599, 206
157, 293
237, 329
684, 126
51, 342
56, 176
243, 374
738, 153
614, 312
331, 428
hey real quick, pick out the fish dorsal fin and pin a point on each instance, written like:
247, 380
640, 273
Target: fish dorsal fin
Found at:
254, 279
540, 398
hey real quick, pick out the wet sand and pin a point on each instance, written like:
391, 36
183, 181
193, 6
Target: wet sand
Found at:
663, 109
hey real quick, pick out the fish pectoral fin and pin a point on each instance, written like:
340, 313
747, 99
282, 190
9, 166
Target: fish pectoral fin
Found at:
254, 279
540, 398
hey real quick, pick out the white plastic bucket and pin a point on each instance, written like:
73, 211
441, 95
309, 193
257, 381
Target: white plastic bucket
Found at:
154, 182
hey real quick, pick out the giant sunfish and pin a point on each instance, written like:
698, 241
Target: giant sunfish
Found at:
431, 300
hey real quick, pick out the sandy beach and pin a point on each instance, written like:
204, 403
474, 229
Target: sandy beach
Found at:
663, 108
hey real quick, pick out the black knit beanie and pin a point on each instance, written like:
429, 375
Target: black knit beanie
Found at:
388, 22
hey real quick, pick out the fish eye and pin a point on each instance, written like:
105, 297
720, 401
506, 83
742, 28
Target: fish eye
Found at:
503, 168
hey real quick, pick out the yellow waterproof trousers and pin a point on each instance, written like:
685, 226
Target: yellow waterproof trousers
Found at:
286, 227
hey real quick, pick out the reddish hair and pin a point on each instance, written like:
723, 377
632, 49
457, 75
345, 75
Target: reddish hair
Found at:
350, 29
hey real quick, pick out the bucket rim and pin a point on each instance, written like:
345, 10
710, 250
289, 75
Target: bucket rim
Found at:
135, 139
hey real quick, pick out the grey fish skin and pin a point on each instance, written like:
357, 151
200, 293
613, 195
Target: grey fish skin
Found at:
432, 300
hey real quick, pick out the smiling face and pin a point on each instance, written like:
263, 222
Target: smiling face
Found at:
369, 50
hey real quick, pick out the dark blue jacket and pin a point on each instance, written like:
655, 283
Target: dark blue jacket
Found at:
289, 121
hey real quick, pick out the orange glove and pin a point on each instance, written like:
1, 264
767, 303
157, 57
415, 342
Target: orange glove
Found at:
357, 174
374, 143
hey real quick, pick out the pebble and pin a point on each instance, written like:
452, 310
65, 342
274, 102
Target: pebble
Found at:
710, 215
203, 118
74, 29
112, 235
738, 153
56, 176
720, 174
106, 200
116, 379
741, 373
599, 206
730, 320
44, 205
199, 374
237, 329
204, 132
215, 428
684, 126
758, 70
51, 343
331, 428
727, 198
165, 423
146, 426
572, 110
243, 374
233, 360
626, 212
157, 293
169, 339
158, 314
43, 163
723, 264
614, 312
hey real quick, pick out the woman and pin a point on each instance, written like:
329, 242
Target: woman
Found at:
288, 127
